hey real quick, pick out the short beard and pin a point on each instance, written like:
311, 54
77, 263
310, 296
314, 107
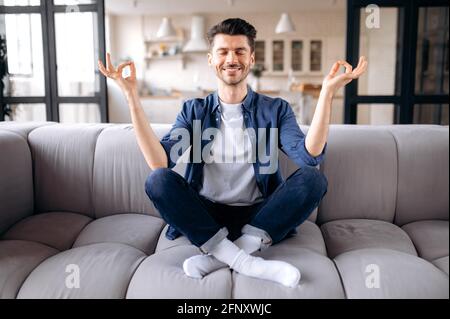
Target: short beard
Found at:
232, 83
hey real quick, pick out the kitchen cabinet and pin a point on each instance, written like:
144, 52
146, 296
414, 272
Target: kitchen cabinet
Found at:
303, 56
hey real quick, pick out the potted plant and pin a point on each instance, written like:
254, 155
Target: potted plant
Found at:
5, 109
257, 71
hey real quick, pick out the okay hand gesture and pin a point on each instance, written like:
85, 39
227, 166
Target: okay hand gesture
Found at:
334, 82
128, 84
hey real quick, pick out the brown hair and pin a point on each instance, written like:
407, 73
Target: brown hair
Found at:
233, 26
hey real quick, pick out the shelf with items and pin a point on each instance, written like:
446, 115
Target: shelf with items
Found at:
165, 49
162, 48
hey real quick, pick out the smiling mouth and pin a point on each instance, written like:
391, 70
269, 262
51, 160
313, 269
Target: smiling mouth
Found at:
231, 69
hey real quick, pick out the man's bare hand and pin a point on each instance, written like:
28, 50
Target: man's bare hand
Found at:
334, 82
128, 84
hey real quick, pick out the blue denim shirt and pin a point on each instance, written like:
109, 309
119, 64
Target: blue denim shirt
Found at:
259, 111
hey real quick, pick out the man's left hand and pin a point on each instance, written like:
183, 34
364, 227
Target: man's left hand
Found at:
334, 82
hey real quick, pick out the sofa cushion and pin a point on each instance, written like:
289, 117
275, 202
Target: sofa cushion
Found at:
423, 173
308, 236
63, 159
351, 234
104, 271
57, 229
430, 237
164, 243
16, 179
17, 259
401, 275
161, 275
319, 277
442, 264
361, 168
136, 230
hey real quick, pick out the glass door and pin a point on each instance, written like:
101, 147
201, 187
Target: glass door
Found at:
406, 43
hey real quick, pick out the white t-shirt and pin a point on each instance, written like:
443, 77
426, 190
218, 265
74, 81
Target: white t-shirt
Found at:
228, 174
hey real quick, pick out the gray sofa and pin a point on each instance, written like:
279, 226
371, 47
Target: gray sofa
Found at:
75, 221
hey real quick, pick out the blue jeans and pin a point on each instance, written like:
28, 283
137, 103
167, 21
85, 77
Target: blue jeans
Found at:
206, 223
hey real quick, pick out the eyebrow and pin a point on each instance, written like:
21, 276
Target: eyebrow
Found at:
241, 48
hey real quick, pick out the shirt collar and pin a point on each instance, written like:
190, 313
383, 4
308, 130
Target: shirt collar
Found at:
247, 103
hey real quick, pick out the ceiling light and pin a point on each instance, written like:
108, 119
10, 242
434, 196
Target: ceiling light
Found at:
166, 29
285, 24
197, 43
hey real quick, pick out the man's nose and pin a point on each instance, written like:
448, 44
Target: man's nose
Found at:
231, 57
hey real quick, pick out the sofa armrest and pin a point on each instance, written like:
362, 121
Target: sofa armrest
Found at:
16, 179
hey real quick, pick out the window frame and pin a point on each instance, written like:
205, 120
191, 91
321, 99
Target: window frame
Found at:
405, 97
51, 99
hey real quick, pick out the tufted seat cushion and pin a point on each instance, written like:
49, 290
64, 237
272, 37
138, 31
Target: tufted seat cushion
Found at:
351, 234
56, 229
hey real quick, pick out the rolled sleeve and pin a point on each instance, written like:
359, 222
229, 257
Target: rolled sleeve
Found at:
308, 158
183, 121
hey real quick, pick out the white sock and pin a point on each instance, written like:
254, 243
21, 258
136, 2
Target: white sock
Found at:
225, 251
248, 243
274, 270
240, 261
200, 265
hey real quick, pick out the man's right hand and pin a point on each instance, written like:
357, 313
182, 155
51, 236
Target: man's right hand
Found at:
128, 84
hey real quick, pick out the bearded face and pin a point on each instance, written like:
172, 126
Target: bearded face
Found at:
231, 58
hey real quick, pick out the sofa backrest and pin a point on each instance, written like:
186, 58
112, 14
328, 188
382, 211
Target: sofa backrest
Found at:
361, 168
120, 171
392, 173
63, 158
423, 173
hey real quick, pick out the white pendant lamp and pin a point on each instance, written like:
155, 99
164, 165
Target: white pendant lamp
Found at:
166, 29
197, 42
285, 24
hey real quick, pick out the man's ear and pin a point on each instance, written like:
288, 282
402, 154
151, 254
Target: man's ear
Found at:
252, 59
210, 57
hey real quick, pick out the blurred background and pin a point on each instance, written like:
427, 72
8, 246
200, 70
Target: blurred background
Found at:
49, 51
